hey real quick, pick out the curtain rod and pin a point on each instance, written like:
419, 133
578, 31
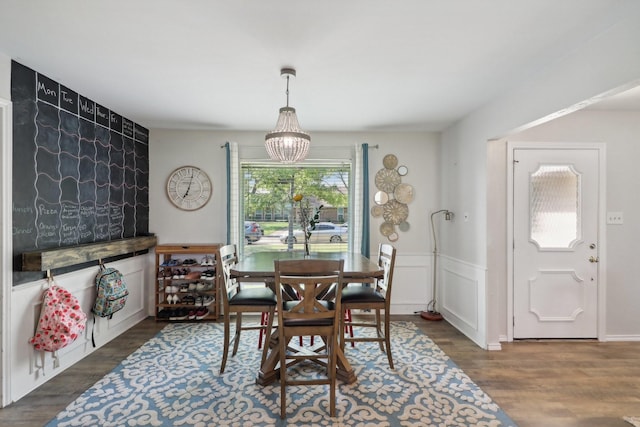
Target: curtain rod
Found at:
328, 147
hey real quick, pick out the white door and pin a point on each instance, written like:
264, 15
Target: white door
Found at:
555, 253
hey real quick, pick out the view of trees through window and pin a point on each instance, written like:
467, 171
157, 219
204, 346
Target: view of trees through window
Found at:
272, 218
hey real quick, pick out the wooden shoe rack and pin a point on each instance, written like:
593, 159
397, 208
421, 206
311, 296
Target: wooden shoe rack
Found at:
187, 282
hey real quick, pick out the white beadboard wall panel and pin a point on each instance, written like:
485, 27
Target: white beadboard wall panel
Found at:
29, 368
411, 290
461, 292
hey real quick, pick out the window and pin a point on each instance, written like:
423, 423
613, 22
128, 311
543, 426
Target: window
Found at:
267, 193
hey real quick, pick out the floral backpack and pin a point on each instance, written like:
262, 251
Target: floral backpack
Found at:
61, 320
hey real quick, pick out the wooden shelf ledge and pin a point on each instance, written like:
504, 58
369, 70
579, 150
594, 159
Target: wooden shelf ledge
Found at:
50, 259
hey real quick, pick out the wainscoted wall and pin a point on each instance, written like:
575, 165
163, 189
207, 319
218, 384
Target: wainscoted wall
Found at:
462, 297
411, 289
28, 368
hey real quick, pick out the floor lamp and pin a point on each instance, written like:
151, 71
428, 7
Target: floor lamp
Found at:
432, 312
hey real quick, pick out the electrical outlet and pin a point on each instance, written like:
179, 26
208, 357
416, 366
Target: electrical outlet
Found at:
615, 218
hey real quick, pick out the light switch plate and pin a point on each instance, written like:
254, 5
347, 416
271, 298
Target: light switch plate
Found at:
615, 218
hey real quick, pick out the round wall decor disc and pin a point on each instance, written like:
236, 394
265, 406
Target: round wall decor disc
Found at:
395, 212
390, 161
380, 197
403, 193
387, 179
386, 228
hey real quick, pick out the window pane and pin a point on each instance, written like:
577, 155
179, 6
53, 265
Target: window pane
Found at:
267, 201
555, 206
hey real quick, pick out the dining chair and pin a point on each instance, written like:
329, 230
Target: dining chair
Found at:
309, 315
376, 296
238, 299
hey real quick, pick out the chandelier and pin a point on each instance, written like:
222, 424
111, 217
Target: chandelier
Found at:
287, 143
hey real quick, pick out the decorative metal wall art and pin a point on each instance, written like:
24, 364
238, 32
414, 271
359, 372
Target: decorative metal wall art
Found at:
392, 199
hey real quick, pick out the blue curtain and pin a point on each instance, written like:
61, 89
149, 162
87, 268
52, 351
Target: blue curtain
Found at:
228, 161
366, 243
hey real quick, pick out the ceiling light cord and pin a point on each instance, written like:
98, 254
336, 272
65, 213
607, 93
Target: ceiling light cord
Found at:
287, 91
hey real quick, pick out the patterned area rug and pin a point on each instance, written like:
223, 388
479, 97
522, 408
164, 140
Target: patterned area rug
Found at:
635, 421
174, 379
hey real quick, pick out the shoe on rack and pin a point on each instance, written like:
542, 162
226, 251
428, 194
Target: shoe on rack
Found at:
180, 314
192, 314
188, 299
201, 313
199, 301
207, 300
164, 313
192, 275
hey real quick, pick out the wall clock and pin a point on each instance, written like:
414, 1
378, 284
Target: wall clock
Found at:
189, 188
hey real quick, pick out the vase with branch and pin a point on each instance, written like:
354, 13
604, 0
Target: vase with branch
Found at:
307, 220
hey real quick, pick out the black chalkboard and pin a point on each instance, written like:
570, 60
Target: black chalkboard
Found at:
80, 171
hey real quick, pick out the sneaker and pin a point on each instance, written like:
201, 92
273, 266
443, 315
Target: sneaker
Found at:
207, 300
180, 314
198, 301
192, 314
188, 299
164, 314
201, 313
192, 275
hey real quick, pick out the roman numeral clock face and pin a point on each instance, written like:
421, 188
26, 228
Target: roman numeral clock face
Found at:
189, 188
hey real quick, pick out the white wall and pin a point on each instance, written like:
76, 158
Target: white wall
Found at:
26, 369
620, 131
21, 304
608, 62
170, 149
5, 76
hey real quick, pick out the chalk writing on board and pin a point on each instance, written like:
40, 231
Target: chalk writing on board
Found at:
81, 171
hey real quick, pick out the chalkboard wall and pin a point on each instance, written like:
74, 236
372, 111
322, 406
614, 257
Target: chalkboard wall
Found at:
80, 170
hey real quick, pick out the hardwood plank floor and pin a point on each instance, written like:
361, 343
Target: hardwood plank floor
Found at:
538, 383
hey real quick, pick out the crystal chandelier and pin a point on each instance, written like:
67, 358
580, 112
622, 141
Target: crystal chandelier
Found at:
287, 143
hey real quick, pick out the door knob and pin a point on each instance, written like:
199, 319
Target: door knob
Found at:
594, 259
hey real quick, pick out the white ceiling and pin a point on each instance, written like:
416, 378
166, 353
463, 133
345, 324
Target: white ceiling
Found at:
363, 65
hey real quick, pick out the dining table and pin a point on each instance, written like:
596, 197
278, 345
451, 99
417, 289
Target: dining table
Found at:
259, 267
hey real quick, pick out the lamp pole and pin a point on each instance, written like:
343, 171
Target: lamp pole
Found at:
432, 312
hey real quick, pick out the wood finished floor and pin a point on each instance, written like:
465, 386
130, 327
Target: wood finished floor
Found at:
539, 384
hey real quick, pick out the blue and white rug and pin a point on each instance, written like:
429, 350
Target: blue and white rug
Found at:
174, 380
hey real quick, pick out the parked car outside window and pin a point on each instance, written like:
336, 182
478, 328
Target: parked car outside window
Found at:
252, 232
325, 232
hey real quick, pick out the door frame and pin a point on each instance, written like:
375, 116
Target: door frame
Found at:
602, 229
6, 247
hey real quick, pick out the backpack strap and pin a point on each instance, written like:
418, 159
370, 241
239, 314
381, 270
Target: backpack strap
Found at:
93, 340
